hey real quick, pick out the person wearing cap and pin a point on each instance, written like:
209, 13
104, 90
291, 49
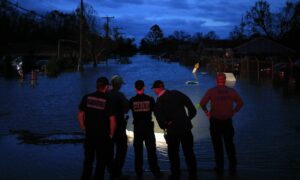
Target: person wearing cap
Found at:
171, 115
142, 106
224, 103
97, 121
120, 105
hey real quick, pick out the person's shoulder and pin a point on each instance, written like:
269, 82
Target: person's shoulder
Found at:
176, 92
213, 88
115, 93
120, 93
133, 98
91, 94
143, 96
216, 88
148, 96
228, 88
232, 89
172, 91
109, 93
84, 97
112, 92
168, 93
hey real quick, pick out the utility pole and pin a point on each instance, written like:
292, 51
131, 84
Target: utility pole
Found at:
80, 68
116, 33
106, 26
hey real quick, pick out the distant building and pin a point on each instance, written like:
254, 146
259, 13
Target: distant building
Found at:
264, 56
262, 47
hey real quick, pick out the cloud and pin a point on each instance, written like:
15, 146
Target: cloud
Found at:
135, 17
141, 26
47, 5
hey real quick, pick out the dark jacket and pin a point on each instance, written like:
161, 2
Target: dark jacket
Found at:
142, 106
97, 109
120, 105
171, 114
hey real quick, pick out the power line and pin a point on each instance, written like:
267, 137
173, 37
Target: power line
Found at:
106, 27
26, 10
79, 66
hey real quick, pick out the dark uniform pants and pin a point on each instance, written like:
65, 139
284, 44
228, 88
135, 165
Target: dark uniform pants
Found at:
102, 151
120, 141
147, 135
187, 142
222, 130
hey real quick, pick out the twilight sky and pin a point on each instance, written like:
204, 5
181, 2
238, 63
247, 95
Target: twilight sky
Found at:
135, 17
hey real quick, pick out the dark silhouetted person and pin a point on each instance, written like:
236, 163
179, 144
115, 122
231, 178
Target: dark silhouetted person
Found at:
142, 107
120, 105
170, 112
224, 103
98, 123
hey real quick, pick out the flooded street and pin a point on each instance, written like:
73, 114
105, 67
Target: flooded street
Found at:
267, 129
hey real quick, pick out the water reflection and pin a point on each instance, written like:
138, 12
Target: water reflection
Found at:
267, 128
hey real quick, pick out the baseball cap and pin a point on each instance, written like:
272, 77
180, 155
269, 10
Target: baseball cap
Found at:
102, 81
139, 84
158, 84
116, 79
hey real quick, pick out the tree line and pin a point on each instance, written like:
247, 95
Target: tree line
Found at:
258, 21
23, 27
26, 27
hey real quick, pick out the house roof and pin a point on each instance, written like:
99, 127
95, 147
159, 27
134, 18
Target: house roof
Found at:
263, 47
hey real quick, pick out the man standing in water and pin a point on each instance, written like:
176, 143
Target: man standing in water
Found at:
225, 102
98, 123
142, 107
120, 105
171, 115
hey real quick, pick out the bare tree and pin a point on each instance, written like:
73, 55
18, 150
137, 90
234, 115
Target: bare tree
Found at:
260, 19
238, 32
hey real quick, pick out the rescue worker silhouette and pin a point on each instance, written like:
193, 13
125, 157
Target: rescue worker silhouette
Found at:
120, 105
97, 121
224, 103
170, 112
142, 106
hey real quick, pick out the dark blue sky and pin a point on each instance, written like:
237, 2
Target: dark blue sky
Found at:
135, 17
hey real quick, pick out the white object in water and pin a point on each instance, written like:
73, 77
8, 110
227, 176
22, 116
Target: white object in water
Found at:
192, 82
195, 70
230, 77
196, 67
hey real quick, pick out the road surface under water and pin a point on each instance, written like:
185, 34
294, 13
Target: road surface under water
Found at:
267, 129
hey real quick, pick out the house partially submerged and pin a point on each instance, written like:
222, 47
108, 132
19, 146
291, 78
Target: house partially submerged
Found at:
264, 48
261, 55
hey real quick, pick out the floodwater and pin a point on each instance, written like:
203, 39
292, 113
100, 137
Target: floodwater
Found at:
267, 129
